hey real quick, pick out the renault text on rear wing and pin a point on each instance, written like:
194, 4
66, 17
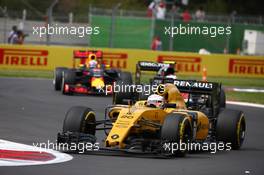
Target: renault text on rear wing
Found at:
190, 86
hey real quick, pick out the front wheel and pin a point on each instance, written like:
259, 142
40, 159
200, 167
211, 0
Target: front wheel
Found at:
80, 119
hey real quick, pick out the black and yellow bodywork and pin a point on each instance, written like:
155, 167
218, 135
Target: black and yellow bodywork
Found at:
128, 120
146, 129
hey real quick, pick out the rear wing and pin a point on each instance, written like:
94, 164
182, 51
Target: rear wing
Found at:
86, 54
191, 86
150, 66
209, 90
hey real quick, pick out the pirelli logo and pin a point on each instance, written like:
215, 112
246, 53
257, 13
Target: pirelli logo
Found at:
115, 60
23, 57
183, 63
246, 66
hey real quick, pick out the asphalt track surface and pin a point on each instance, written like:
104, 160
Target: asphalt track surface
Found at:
31, 111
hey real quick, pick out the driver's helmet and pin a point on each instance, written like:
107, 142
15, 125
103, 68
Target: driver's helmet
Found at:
155, 100
174, 77
165, 71
92, 63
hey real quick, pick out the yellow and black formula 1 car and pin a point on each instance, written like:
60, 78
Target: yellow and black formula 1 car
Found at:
140, 128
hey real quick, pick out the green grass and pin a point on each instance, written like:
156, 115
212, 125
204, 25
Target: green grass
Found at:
26, 73
235, 82
246, 97
228, 82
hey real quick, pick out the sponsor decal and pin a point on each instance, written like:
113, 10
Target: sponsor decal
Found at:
193, 84
115, 136
23, 57
115, 60
184, 64
246, 66
152, 64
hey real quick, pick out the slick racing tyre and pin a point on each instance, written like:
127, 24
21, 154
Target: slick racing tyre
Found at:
68, 78
121, 97
58, 77
222, 98
175, 130
231, 127
80, 119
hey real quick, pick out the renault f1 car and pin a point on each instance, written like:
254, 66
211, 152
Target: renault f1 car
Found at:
140, 128
86, 79
165, 72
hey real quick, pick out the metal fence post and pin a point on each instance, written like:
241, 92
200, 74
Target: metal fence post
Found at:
112, 24
70, 18
228, 36
89, 22
152, 30
49, 14
5, 15
171, 38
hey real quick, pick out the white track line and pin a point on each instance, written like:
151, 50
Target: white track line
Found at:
245, 104
13, 146
248, 90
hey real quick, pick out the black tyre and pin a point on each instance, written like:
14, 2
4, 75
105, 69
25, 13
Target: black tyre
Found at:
176, 130
80, 119
124, 79
222, 98
68, 77
231, 127
58, 77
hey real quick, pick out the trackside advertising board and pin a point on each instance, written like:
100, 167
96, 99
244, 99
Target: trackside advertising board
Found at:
39, 57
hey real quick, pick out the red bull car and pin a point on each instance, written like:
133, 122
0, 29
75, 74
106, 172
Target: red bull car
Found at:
87, 79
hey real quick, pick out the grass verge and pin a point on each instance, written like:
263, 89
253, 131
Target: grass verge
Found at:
246, 97
26, 73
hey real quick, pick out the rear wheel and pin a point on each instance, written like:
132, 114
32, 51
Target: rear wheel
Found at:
231, 127
80, 119
175, 133
119, 97
68, 78
222, 98
58, 77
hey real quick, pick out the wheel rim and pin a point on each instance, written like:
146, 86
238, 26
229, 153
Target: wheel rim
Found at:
86, 125
240, 131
